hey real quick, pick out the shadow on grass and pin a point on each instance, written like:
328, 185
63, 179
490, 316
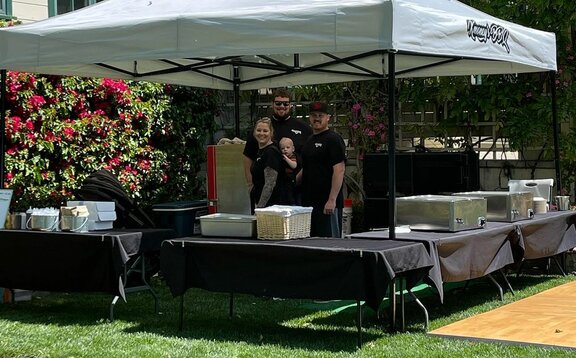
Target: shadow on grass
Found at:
481, 294
257, 321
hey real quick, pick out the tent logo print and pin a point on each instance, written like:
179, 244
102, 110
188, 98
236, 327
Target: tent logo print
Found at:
482, 33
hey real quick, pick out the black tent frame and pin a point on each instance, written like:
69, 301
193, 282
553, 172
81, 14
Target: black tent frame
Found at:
201, 66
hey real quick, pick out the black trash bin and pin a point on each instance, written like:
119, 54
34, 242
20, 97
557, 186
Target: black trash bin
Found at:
180, 216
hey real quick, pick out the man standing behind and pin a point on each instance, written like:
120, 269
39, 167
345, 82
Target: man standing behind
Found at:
284, 126
322, 174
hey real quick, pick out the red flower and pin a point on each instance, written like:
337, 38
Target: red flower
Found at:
31, 137
16, 123
69, 132
49, 136
36, 102
144, 164
114, 162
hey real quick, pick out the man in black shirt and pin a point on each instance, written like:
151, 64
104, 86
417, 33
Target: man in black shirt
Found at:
284, 126
322, 174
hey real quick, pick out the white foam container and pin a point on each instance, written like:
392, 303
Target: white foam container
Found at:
228, 225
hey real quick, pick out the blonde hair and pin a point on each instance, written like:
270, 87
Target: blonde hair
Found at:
286, 140
267, 121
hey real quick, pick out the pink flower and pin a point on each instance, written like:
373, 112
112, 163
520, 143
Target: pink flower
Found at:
36, 101
49, 136
29, 124
31, 137
144, 164
356, 108
69, 132
16, 123
114, 161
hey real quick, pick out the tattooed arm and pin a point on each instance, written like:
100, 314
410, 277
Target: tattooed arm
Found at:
270, 176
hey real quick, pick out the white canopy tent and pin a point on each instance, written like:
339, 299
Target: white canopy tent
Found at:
249, 44
276, 43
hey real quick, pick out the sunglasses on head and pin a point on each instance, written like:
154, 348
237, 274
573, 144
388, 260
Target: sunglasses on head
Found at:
282, 103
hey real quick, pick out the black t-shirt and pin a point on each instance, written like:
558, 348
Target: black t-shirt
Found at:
269, 156
320, 153
290, 127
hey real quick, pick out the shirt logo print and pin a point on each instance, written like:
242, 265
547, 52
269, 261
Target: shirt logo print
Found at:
318, 145
296, 131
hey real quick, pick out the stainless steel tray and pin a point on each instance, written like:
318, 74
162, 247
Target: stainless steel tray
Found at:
441, 212
506, 206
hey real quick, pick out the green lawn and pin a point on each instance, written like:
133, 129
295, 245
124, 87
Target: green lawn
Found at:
76, 325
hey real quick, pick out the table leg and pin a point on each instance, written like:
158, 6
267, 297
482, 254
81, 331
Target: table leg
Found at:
144, 287
181, 315
402, 304
231, 308
497, 285
507, 282
423, 309
562, 272
359, 322
392, 297
112, 304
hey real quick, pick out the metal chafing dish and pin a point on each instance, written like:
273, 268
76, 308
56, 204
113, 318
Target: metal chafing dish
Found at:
441, 212
505, 206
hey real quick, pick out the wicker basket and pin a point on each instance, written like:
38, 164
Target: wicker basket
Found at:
283, 222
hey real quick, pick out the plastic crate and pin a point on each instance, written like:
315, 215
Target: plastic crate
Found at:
180, 216
228, 225
279, 222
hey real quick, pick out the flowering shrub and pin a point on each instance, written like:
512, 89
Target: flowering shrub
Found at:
368, 121
59, 130
368, 128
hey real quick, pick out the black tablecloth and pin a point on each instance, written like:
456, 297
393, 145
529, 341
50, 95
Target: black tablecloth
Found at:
73, 262
470, 254
459, 256
547, 234
315, 268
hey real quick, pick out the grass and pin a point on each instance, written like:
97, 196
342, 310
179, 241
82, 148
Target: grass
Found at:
76, 325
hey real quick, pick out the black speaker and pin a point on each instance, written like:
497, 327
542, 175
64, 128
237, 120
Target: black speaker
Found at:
445, 173
422, 173
375, 174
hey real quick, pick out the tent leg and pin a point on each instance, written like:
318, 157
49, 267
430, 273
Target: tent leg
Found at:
3, 106
556, 128
391, 145
237, 100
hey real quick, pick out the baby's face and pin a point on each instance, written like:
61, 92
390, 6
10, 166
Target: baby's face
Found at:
287, 148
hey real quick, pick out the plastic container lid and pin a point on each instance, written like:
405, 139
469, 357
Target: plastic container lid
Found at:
180, 205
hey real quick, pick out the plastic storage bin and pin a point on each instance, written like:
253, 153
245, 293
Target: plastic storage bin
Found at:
180, 216
228, 225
